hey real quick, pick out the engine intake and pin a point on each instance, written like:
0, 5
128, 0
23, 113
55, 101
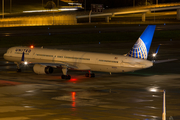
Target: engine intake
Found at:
41, 69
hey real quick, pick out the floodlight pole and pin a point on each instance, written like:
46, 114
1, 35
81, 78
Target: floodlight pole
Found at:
2, 9
90, 16
156, 2
85, 5
164, 106
10, 6
154, 15
146, 2
57, 3
42, 4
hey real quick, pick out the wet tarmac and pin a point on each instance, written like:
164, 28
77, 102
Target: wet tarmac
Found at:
53, 30
125, 96
27, 96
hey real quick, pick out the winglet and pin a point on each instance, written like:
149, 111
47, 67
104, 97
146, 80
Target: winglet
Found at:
22, 59
142, 45
158, 48
154, 54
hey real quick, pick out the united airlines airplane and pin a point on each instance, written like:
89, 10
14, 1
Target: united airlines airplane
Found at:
44, 60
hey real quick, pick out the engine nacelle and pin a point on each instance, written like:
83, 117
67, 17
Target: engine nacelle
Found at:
41, 69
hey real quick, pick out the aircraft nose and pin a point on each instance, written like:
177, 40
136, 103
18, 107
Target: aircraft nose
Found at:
5, 56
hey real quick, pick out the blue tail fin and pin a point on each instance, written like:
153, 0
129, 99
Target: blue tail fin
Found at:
142, 45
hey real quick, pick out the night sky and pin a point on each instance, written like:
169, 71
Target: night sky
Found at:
107, 3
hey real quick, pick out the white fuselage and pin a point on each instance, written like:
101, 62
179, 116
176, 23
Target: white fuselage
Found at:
82, 60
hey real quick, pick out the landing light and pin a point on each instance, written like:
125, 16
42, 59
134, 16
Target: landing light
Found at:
25, 62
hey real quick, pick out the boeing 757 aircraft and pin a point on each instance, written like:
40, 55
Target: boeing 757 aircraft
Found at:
44, 60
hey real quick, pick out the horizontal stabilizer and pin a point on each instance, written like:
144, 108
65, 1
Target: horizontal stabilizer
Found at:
162, 61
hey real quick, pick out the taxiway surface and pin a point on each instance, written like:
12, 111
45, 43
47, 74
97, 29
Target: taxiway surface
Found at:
27, 96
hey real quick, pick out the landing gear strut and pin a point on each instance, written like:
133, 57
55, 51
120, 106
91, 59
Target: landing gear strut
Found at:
18, 67
65, 76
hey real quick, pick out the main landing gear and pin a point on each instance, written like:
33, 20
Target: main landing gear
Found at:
90, 74
68, 77
18, 67
65, 76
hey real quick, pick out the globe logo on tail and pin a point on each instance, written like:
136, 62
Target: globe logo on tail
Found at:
138, 50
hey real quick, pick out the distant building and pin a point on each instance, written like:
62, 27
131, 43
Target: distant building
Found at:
71, 1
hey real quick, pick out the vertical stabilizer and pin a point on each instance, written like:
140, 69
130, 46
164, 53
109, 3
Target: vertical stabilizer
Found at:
142, 45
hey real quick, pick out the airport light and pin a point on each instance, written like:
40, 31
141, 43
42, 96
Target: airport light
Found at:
155, 89
164, 105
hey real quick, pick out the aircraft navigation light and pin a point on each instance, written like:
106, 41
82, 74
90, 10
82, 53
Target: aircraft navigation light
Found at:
154, 54
32, 46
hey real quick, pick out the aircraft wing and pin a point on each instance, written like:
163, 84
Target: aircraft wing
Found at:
77, 66
162, 61
63, 64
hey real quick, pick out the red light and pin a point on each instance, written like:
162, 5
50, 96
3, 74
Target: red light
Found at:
31, 46
73, 79
73, 95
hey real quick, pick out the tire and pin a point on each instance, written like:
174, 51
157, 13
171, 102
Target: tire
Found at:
62, 76
18, 70
87, 74
92, 75
67, 77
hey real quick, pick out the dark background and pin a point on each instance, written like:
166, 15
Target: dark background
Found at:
107, 3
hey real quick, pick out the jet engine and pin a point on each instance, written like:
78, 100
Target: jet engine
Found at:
41, 69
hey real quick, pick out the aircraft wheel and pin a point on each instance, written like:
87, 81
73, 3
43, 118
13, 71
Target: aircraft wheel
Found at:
67, 77
87, 74
18, 70
92, 75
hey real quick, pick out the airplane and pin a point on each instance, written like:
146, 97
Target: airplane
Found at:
45, 60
